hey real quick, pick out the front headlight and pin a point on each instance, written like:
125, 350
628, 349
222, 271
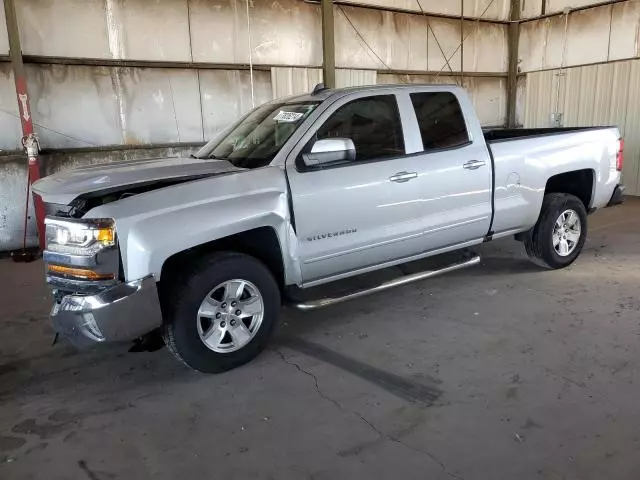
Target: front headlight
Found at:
83, 237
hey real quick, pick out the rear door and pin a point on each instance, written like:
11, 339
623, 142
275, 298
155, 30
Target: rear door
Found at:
455, 184
362, 213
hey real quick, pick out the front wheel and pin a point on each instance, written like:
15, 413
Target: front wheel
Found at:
557, 238
223, 312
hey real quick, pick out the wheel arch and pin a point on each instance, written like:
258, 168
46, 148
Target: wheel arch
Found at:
261, 243
580, 183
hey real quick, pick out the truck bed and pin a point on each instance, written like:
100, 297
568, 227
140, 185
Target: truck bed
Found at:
502, 134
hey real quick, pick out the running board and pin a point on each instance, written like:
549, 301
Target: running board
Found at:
414, 277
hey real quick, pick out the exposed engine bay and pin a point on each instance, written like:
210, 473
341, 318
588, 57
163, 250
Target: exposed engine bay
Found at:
82, 204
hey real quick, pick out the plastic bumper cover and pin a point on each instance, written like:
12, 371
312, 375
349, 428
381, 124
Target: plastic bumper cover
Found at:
120, 313
618, 196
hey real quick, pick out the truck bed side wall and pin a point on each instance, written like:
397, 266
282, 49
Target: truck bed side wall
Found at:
523, 167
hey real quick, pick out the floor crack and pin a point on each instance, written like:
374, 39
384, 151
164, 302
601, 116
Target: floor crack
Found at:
375, 429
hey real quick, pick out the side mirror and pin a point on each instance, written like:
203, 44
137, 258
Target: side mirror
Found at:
330, 150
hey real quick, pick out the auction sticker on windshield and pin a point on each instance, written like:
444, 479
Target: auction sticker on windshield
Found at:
283, 116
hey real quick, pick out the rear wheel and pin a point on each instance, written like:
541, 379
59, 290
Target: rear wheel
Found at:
222, 313
557, 238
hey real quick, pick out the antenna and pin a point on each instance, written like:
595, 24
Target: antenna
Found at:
318, 88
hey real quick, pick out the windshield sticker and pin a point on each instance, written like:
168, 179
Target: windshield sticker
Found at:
290, 117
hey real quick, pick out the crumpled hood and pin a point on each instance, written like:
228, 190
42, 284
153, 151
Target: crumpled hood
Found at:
61, 188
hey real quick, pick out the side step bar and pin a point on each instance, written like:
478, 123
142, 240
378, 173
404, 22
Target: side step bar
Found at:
404, 280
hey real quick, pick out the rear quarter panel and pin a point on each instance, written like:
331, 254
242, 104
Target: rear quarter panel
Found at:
523, 167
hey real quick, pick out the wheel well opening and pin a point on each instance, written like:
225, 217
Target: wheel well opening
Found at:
261, 243
578, 183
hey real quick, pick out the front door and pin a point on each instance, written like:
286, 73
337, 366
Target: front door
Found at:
361, 213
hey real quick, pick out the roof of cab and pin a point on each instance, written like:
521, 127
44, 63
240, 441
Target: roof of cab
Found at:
327, 93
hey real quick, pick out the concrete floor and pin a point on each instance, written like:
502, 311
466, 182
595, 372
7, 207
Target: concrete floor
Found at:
499, 372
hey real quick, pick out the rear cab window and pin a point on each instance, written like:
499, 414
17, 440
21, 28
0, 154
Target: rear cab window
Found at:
440, 119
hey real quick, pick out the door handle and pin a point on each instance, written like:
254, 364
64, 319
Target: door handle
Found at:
402, 177
474, 164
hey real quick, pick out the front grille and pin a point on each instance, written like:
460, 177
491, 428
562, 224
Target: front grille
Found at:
57, 210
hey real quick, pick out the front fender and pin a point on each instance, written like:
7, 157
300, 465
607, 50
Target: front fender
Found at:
156, 225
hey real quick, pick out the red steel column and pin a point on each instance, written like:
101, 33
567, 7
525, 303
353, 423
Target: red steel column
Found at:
29, 141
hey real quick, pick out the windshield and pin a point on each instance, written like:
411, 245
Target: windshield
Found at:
256, 139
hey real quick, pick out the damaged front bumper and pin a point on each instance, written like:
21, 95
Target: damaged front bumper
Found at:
122, 312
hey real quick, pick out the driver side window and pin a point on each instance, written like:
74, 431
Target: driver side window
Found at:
373, 123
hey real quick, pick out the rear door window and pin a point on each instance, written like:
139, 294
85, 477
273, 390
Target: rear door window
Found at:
440, 119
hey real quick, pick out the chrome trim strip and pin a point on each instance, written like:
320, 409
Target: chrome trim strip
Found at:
325, 302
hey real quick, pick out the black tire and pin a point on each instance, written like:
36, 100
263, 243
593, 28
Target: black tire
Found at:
538, 242
183, 300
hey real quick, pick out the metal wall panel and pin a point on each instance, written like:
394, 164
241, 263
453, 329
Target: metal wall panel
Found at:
13, 197
609, 32
69, 28
75, 106
452, 7
588, 36
293, 80
226, 95
530, 8
488, 95
79, 106
625, 31
162, 105
541, 44
10, 128
485, 47
489, 98
494, 10
157, 30
348, 77
597, 95
286, 32
393, 78
408, 42
631, 172
559, 5
542, 98
4, 39
606, 94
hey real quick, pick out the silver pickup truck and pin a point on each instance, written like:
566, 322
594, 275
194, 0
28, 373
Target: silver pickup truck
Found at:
304, 191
